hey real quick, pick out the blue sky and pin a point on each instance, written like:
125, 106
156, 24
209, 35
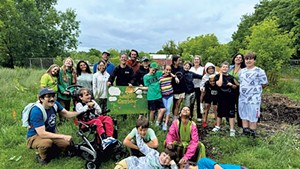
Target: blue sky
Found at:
146, 25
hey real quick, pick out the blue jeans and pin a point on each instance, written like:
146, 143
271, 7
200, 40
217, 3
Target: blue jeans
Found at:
168, 100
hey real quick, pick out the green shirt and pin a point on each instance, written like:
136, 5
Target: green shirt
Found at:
150, 135
152, 82
49, 82
62, 85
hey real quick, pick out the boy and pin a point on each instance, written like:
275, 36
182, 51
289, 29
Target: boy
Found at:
147, 134
252, 80
154, 96
152, 158
210, 93
90, 113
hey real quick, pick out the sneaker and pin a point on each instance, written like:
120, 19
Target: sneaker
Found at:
232, 133
199, 120
40, 160
204, 124
106, 142
164, 127
216, 129
157, 123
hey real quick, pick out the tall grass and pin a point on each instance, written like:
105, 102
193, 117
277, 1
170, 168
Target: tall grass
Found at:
21, 86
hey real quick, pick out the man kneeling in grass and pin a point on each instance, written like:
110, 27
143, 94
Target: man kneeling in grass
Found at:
42, 134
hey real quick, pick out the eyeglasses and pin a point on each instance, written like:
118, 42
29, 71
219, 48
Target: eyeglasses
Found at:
49, 96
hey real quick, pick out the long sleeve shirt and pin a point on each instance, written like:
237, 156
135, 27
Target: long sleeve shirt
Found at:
173, 136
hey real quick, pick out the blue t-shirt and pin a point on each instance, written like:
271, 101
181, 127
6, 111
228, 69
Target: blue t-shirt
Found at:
109, 67
36, 119
206, 163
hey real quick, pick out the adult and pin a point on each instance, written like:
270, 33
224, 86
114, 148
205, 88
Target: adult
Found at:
133, 61
42, 135
84, 75
122, 73
109, 66
183, 132
141, 72
50, 78
67, 77
100, 79
198, 69
238, 63
178, 88
252, 81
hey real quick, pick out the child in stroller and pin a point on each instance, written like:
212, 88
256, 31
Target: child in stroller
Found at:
90, 114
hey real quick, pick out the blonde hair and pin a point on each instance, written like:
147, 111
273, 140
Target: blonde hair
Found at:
51, 67
211, 76
64, 69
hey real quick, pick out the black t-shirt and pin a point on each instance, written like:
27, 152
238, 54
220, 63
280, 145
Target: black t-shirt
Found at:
211, 90
226, 79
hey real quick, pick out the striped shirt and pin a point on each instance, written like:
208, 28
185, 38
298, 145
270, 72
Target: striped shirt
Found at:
166, 85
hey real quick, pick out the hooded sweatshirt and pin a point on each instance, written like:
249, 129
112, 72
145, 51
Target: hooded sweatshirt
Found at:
205, 77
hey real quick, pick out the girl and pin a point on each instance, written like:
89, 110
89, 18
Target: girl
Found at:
167, 92
49, 79
84, 75
67, 77
100, 79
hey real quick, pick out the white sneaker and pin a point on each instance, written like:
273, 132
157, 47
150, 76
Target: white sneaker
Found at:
106, 142
164, 127
232, 133
216, 129
199, 120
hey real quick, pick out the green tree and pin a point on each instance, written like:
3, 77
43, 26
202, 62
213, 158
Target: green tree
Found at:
34, 28
272, 47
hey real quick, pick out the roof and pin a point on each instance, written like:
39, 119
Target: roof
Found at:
160, 56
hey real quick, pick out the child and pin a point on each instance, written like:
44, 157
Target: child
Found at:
90, 113
189, 90
210, 70
154, 97
183, 131
252, 80
206, 163
210, 93
226, 108
167, 92
147, 134
152, 158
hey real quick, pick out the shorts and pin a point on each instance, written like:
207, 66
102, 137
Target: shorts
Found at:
210, 99
189, 99
250, 112
155, 104
178, 96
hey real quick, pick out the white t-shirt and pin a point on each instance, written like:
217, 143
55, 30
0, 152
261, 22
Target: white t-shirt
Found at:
198, 71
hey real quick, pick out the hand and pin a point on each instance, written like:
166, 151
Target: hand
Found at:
182, 160
108, 84
66, 93
170, 146
202, 89
90, 104
129, 84
176, 80
229, 84
67, 138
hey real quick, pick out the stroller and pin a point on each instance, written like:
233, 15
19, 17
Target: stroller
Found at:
90, 147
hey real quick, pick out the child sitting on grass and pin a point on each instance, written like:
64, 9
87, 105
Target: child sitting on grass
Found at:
90, 113
147, 134
152, 158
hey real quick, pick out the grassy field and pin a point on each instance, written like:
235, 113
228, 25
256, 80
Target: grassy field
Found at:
20, 86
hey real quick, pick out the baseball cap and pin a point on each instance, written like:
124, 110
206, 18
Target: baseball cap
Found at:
154, 65
45, 91
108, 54
145, 58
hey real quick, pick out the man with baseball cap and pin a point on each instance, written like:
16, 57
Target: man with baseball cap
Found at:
141, 72
42, 133
109, 66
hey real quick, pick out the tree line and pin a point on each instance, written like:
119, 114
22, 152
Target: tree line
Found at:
35, 29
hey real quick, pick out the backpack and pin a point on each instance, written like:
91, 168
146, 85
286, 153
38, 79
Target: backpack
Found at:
27, 109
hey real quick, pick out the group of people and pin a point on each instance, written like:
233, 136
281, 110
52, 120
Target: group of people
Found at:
234, 90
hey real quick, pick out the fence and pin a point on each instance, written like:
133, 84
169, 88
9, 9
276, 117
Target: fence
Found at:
38, 63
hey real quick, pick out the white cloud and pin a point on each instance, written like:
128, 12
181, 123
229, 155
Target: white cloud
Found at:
147, 25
